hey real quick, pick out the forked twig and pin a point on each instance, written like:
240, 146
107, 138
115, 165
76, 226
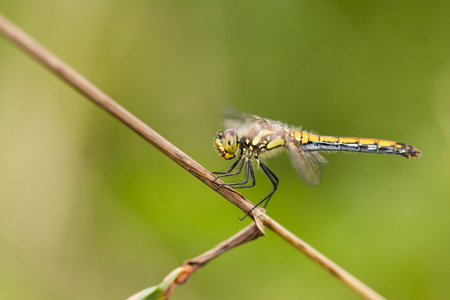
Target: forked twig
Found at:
181, 275
76, 80
249, 233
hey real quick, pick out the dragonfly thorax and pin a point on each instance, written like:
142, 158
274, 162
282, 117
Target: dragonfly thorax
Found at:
227, 143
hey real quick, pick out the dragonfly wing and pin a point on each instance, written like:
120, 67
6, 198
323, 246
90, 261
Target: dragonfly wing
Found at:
320, 158
233, 118
307, 164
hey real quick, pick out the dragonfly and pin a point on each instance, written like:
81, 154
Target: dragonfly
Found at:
250, 137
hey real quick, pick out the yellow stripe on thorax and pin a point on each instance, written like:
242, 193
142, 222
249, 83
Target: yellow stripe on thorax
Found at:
278, 141
262, 133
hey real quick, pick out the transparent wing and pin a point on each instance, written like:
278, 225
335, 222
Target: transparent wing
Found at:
323, 162
307, 164
233, 118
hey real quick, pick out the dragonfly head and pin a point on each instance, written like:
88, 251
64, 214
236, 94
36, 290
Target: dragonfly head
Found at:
227, 143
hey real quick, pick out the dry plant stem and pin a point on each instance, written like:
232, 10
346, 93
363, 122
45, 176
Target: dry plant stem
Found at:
322, 260
245, 235
73, 78
76, 80
182, 274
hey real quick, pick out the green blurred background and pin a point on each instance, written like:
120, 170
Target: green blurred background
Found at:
89, 210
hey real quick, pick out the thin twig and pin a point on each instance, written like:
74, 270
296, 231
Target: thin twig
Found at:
247, 234
76, 80
182, 274
321, 259
80, 83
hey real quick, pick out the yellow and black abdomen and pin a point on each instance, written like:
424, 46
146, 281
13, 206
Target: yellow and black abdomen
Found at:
314, 142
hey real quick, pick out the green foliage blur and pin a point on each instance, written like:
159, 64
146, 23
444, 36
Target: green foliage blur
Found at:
89, 210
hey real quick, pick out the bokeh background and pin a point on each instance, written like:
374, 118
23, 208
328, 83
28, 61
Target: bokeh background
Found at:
89, 210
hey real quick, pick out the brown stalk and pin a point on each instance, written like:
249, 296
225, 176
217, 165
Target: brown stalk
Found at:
247, 234
182, 274
76, 80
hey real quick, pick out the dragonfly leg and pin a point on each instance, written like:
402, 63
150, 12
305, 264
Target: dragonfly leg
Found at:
248, 173
231, 168
274, 180
227, 173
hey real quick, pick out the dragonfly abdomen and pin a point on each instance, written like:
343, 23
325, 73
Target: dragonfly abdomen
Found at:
315, 142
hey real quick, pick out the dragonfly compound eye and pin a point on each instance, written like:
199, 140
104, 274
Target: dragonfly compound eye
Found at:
227, 143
